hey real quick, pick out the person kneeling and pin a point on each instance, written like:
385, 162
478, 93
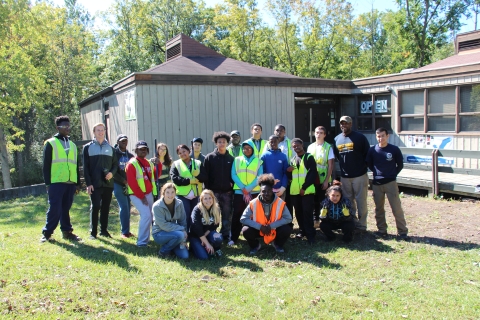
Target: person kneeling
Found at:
267, 217
336, 214
206, 217
170, 223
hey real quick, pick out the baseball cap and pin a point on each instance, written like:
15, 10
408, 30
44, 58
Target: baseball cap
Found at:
141, 144
235, 132
197, 140
346, 119
121, 137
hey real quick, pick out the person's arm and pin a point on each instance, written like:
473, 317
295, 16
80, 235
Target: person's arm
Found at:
132, 181
369, 159
176, 178
201, 176
366, 147
285, 165
86, 166
235, 178
311, 167
47, 163
399, 160
114, 165
196, 228
286, 218
118, 176
246, 219
161, 221
206, 169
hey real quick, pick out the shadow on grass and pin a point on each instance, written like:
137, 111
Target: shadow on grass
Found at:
463, 246
97, 255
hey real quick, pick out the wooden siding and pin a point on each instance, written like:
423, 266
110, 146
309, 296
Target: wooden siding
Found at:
117, 122
91, 115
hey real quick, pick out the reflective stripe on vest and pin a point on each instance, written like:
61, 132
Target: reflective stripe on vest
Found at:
245, 173
259, 216
64, 167
141, 179
185, 173
298, 178
321, 159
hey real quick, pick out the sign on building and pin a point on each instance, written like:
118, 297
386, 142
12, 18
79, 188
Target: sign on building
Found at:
381, 106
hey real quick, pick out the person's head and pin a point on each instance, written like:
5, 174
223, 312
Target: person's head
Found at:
162, 150
256, 130
63, 125
235, 136
320, 133
197, 144
208, 202
122, 141
273, 142
221, 140
266, 182
280, 131
141, 149
247, 149
99, 131
183, 152
382, 137
297, 146
168, 192
346, 124
334, 194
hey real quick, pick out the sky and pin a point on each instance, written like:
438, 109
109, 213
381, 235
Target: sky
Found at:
360, 6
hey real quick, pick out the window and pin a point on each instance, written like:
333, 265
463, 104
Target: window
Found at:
374, 111
412, 110
470, 108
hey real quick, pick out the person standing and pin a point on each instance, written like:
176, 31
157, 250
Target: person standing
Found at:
386, 161
218, 168
163, 161
197, 150
99, 166
284, 144
266, 216
322, 151
351, 148
62, 180
245, 171
302, 189
234, 148
141, 188
120, 186
258, 143
276, 163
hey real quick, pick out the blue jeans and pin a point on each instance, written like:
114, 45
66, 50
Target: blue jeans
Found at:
199, 251
171, 240
188, 205
60, 199
124, 206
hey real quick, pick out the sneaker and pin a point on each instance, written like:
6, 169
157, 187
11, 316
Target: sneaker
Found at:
255, 250
92, 237
380, 234
316, 223
69, 235
299, 236
403, 237
231, 243
278, 248
128, 235
46, 238
219, 253
105, 234
163, 255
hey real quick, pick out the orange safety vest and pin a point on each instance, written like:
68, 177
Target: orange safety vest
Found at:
259, 216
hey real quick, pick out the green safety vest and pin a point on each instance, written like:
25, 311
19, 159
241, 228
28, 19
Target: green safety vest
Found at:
64, 167
321, 159
257, 152
298, 178
185, 173
247, 173
140, 178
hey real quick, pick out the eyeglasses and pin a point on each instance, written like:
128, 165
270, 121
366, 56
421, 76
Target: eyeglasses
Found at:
64, 127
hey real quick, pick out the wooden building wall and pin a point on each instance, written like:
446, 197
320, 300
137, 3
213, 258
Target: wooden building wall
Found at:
91, 115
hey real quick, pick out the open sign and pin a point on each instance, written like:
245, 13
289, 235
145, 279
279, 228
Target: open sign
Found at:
381, 106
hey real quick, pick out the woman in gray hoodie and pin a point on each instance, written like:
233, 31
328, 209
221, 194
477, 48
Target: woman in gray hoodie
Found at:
170, 223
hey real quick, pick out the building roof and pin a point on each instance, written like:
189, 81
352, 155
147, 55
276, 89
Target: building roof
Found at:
461, 59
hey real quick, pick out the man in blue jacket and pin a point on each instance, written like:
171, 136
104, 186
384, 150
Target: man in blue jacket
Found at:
276, 163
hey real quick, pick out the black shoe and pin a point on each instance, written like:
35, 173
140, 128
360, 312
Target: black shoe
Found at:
105, 234
403, 237
380, 234
46, 238
69, 235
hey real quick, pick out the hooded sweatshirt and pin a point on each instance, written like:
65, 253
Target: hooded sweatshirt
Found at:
235, 177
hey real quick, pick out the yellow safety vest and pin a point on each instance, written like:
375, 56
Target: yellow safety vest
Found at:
64, 167
257, 152
140, 178
298, 178
247, 173
185, 173
321, 158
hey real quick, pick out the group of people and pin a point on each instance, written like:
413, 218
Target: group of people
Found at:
250, 187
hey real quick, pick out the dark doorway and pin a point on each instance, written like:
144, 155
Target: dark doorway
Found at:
312, 111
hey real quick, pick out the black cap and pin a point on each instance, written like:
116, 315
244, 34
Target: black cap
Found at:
141, 144
235, 132
197, 140
121, 137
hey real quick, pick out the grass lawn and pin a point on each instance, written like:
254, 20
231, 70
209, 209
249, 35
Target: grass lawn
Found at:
113, 279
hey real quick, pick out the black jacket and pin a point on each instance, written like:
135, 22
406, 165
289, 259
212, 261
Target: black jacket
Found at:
218, 168
120, 176
47, 161
98, 160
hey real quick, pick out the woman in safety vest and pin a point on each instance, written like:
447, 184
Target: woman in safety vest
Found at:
206, 217
141, 188
245, 171
187, 175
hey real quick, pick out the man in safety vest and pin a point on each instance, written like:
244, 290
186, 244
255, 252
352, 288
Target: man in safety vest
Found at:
141, 188
302, 189
62, 179
258, 144
322, 151
266, 216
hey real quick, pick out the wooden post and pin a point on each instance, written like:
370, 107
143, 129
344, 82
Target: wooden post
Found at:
435, 190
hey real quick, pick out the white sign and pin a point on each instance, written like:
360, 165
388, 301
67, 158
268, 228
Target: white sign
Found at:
423, 141
130, 111
381, 106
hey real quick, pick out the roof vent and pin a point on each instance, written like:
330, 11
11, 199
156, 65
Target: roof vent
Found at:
468, 45
174, 51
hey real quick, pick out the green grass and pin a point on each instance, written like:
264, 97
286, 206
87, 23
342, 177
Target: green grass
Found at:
113, 279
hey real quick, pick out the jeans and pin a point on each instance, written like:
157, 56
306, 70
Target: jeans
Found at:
225, 200
146, 218
170, 241
391, 190
100, 201
199, 251
239, 206
356, 190
60, 199
188, 205
304, 213
124, 207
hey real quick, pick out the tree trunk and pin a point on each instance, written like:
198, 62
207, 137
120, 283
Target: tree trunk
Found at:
7, 182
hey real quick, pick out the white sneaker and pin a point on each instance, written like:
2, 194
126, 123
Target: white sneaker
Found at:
230, 243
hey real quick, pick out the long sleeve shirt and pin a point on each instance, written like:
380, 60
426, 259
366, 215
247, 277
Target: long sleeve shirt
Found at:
132, 177
385, 163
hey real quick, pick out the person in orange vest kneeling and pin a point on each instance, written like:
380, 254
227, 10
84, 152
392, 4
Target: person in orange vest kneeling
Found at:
266, 216
142, 188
